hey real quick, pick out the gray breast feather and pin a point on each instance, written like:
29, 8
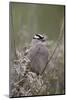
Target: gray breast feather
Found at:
38, 56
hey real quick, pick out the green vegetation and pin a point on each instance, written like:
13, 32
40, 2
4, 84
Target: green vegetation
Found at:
25, 20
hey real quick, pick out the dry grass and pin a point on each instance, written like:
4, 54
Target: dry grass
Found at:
23, 82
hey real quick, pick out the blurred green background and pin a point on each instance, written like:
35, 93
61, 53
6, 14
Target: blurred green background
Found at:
27, 19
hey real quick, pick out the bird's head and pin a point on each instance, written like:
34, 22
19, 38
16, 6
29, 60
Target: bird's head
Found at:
40, 37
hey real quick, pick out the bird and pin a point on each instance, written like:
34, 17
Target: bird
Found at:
38, 53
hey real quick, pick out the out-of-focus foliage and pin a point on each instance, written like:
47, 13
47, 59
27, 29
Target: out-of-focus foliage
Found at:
25, 20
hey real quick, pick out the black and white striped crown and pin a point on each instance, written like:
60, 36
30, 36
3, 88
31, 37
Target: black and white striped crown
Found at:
38, 36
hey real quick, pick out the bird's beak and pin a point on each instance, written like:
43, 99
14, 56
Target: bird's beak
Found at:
44, 39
